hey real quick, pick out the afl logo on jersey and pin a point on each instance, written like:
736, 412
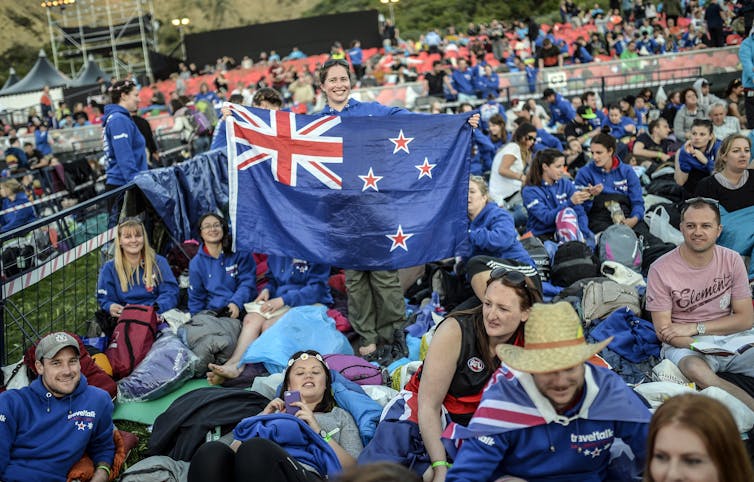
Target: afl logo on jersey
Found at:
475, 364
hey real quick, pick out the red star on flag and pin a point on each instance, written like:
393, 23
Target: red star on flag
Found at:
401, 142
399, 239
370, 180
425, 169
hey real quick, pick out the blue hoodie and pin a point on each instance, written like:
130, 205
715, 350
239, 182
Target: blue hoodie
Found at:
492, 233
620, 180
464, 81
42, 437
124, 146
543, 203
42, 142
216, 282
619, 130
164, 293
355, 108
14, 219
561, 111
298, 282
687, 162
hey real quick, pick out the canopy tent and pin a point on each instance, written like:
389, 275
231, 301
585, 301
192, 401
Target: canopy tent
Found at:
43, 73
12, 79
89, 76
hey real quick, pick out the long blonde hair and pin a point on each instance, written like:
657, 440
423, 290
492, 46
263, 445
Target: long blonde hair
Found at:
127, 273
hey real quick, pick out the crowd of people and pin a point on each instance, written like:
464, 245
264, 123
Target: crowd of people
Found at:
509, 387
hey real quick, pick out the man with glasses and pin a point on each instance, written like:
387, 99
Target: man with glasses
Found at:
701, 289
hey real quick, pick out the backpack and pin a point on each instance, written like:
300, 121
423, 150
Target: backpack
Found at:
603, 297
132, 338
539, 255
180, 256
573, 261
619, 243
200, 125
355, 369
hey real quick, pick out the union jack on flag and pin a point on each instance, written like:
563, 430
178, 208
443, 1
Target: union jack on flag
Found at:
354, 192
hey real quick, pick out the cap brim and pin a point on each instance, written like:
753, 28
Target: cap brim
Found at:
588, 117
549, 360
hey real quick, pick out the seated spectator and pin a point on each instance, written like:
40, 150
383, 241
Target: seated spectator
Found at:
135, 275
696, 159
295, 54
671, 107
33, 155
685, 116
608, 179
699, 429
48, 426
554, 207
507, 173
488, 83
307, 440
699, 289
580, 127
437, 82
42, 139
549, 55
463, 81
732, 184
80, 119
561, 111
621, 126
548, 414
207, 95
654, 146
458, 365
292, 282
14, 155
492, 232
706, 99
589, 99
641, 113
581, 53
734, 96
723, 125
13, 195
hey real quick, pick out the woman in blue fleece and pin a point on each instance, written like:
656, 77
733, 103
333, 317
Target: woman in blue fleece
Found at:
306, 438
696, 159
13, 195
136, 275
292, 282
491, 231
552, 202
608, 179
124, 146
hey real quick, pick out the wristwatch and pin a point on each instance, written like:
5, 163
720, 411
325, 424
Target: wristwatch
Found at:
700, 329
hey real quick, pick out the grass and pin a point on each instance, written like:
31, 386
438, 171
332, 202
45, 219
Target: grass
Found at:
140, 430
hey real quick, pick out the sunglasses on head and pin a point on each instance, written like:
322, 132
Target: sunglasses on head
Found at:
330, 62
513, 279
700, 199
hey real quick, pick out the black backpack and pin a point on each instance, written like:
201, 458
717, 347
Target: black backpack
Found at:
539, 255
573, 261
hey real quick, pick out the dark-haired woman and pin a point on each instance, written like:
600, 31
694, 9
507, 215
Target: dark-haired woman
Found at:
555, 207
448, 386
608, 179
311, 444
124, 146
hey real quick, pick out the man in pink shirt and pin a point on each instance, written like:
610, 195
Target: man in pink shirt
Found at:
700, 288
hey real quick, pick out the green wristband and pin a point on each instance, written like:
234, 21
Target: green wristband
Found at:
441, 463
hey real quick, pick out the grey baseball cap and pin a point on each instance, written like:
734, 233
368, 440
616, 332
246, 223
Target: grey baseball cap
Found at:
51, 344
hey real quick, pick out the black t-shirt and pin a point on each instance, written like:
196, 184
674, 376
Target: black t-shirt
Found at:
549, 56
574, 129
730, 199
435, 82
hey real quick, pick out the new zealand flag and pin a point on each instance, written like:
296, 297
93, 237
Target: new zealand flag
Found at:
362, 193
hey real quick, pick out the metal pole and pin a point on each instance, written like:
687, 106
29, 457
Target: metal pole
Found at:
52, 39
392, 13
183, 43
81, 34
144, 49
112, 39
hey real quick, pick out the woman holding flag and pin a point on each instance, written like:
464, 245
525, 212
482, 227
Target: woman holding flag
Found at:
375, 299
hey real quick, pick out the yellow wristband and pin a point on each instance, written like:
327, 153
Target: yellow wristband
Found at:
442, 463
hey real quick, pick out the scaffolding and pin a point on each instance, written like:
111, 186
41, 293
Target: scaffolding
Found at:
118, 33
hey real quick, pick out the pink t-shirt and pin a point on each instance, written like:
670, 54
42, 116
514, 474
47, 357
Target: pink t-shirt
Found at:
696, 295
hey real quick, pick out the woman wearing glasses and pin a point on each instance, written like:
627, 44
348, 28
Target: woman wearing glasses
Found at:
124, 146
136, 275
448, 386
303, 438
509, 166
375, 299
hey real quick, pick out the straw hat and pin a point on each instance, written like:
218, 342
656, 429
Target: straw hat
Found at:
554, 340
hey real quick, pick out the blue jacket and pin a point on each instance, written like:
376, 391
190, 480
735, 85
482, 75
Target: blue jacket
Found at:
298, 282
485, 149
356, 55
598, 121
561, 111
619, 130
164, 293
687, 162
42, 143
41, 436
355, 108
124, 146
492, 233
488, 85
620, 180
746, 56
19, 154
216, 282
578, 450
545, 140
464, 82
18, 218
544, 202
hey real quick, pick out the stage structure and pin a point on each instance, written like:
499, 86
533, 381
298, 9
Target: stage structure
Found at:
118, 33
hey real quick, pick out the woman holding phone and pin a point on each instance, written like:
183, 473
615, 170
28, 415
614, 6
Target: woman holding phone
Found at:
313, 441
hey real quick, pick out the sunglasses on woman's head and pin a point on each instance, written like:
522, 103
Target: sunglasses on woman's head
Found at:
512, 278
330, 62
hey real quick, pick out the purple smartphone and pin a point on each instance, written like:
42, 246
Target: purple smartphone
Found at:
290, 396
